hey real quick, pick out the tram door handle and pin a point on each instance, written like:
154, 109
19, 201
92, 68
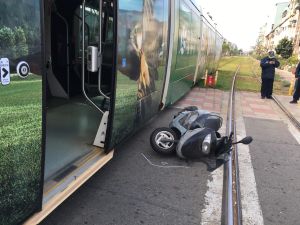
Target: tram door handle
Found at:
92, 59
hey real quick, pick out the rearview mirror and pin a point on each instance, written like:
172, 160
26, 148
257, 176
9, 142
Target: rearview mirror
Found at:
245, 141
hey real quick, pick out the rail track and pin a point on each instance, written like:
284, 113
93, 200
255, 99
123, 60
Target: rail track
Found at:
232, 211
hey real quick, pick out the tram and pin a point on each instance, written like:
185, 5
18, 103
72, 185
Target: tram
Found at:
78, 78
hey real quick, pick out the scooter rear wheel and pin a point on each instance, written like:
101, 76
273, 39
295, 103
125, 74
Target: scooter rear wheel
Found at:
159, 140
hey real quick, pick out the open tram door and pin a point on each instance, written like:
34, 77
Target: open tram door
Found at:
57, 67
79, 59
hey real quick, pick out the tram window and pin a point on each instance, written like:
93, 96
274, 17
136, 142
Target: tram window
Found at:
91, 24
185, 32
110, 29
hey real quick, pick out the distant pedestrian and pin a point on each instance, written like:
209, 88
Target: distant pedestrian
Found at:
268, 65
296, 95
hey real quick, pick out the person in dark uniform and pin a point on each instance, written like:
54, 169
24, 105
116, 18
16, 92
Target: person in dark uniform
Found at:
296, 95
268, 65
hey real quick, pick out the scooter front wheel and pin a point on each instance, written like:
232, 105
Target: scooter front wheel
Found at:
164, 140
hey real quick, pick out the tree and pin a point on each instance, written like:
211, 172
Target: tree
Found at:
259, 48
285, 48
229, 48
7, 43
225, 48
20, 39
241, 52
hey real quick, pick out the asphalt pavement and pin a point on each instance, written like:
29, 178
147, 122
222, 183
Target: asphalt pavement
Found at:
275, 157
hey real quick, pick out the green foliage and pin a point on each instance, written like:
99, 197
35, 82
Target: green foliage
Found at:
19, 27
259, 50
245, 81
21, 44
289, 63
259, 57
285, 48
225, 48
248, 76
18, 42
7, 42
32, 36
230, 49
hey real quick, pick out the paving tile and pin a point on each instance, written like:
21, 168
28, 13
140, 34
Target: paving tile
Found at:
251, 103
259, 106
207, 99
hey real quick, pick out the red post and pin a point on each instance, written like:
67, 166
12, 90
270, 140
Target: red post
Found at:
211, 81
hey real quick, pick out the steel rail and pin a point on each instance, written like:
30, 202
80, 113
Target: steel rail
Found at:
229, 206
288, 114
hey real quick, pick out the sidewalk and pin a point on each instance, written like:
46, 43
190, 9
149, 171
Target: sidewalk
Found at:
204, 98
253, 106
216, 101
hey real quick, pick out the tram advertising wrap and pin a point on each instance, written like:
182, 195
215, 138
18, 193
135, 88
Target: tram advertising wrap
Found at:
185, 51
142, 56
20, 111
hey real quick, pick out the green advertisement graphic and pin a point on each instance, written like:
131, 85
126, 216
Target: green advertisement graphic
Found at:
20, 111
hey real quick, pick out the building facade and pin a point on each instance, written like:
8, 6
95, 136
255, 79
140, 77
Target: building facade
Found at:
286, 24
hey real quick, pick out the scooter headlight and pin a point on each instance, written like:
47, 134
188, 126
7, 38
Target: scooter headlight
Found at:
206, 144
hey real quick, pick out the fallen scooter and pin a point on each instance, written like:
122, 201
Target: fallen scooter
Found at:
193, 133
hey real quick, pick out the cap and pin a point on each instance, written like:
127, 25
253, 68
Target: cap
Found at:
271, 54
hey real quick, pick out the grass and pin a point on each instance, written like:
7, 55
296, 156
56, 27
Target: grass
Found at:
20, 148
245, 80
248, 76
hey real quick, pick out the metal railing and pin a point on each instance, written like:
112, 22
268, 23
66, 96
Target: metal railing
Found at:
83, 60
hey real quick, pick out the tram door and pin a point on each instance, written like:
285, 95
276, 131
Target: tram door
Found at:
21, 111
142, 50
79, 42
